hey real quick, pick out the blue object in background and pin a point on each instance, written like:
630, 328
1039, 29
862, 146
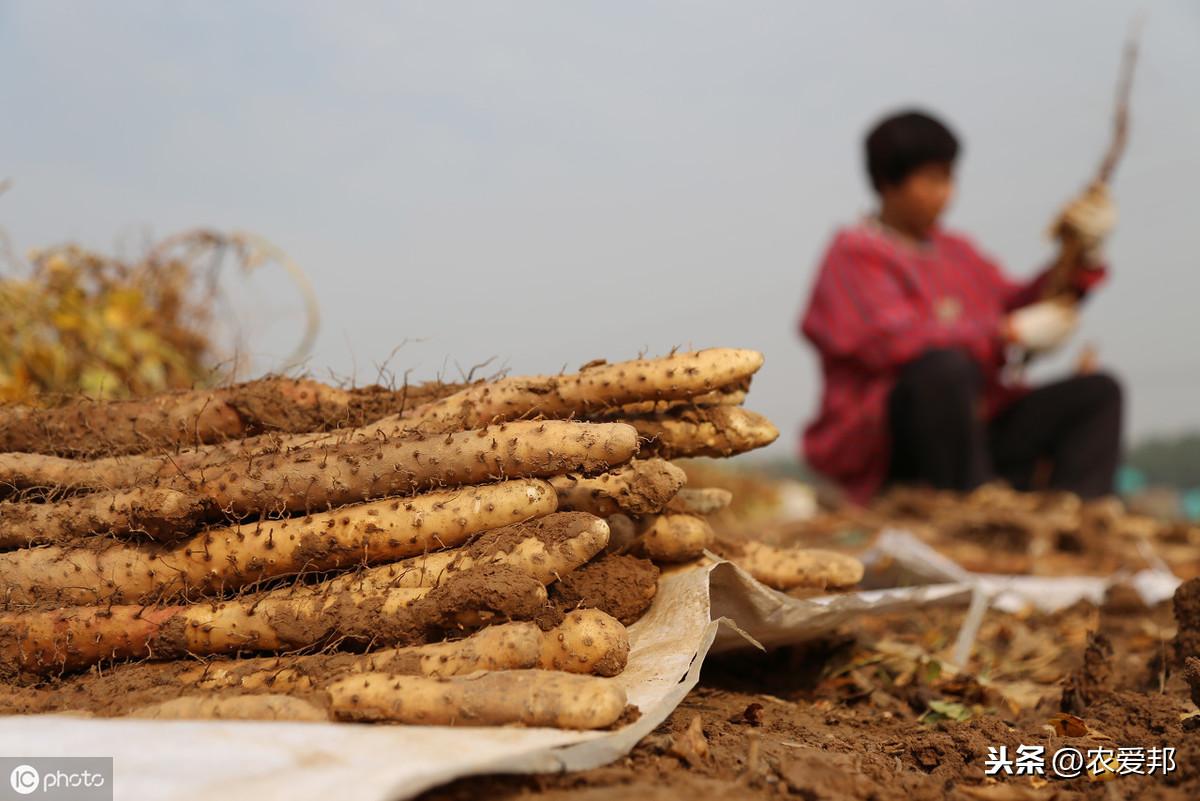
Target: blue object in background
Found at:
1189, 504
1130, 480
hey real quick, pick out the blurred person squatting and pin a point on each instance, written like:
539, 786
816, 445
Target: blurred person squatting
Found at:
915, 326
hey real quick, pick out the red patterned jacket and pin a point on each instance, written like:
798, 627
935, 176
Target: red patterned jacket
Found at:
879, 302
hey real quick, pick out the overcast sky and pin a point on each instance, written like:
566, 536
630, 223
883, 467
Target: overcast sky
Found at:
547, 183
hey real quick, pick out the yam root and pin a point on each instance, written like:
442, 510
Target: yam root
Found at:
674, 538
596, 387
179, 418
320, 477
157, 513
503, 646
43, 473
528, 697
545, 548
638, 488
51, 475
789, 568
227, 558
586, 642
719, 431
325, 477
721, 397
670, 570
287, 619
233, 707
700, 501
371, 403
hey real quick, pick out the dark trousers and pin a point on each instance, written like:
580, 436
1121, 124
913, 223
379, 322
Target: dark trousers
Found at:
939, 437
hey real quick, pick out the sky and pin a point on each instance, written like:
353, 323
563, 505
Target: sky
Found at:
545, 183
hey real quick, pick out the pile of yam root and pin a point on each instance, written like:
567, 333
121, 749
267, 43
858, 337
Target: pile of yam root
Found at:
282, 549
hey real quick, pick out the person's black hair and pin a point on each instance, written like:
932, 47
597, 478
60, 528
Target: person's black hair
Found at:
902, 143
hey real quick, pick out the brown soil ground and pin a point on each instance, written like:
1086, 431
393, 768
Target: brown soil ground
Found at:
874, 713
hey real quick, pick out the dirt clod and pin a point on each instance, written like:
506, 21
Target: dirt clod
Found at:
753, 714
1093, 678
1187, 617
622, 586
1191, 673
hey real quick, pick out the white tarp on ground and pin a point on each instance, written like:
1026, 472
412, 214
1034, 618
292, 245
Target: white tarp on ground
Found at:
708, 610
704, 611
897, 558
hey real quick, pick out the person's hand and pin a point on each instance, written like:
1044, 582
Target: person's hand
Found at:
1090, 218
1041, 327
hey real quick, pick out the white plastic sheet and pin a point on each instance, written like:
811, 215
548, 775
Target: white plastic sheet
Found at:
898, 558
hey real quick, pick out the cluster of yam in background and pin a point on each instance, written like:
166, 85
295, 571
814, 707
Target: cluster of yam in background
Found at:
439, 554
995, 529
